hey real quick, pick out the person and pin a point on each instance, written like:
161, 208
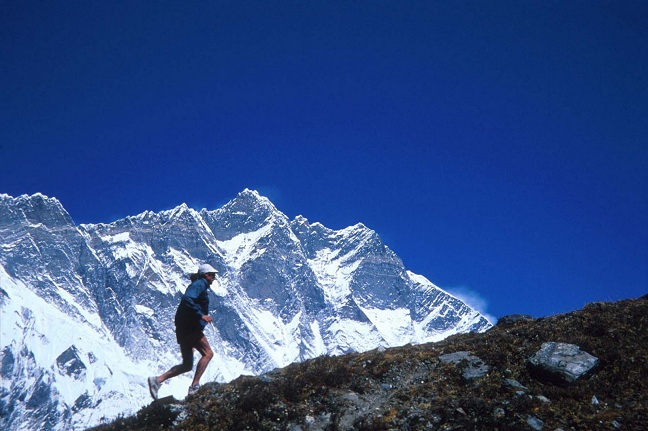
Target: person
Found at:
191, 318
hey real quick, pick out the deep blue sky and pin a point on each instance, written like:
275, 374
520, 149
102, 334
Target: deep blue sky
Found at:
499, 148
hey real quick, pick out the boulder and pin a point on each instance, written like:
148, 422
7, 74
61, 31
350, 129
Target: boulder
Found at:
513, 318
561, 363
471, 366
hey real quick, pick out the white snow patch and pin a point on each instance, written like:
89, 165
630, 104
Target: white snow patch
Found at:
395, 326
118, 238
333, 276
141, 309
351, 335
242, 247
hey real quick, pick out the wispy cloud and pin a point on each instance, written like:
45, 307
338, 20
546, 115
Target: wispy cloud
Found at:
473, 299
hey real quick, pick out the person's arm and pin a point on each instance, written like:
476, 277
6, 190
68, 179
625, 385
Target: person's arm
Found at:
191, 295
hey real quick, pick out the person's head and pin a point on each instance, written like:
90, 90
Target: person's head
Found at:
208, 272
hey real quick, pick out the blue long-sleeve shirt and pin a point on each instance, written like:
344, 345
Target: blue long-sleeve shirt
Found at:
193, 305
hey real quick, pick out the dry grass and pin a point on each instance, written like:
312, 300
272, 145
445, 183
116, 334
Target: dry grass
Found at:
408, 388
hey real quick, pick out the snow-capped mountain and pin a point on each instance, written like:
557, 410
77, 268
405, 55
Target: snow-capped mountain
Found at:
87, 311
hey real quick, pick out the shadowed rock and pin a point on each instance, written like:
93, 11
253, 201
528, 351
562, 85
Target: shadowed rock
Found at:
513, 318
561, 363
473, 367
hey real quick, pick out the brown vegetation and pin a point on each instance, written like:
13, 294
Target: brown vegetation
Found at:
409, 388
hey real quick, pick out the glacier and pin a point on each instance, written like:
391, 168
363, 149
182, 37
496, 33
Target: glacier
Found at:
87, 310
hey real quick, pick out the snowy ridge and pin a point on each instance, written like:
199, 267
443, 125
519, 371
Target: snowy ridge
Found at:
81, 334
47, 373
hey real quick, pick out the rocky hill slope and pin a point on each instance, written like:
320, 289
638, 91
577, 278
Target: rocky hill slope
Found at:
471, 381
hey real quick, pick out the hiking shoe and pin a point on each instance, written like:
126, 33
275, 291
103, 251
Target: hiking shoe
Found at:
154, 386
193, 389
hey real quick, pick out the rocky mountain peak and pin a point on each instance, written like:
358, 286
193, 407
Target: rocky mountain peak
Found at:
247, 212
251, 200
33, 210
90, 308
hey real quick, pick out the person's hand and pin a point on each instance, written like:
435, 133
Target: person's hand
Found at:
207, 318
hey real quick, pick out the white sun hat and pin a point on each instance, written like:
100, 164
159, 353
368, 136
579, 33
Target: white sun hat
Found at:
205, 268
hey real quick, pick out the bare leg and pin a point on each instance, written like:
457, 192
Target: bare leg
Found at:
187, 364
205, 350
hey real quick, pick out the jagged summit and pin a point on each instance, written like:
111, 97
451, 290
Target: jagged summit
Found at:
251, 199
26, 197
301, 220
287, 291
252, 194
34, 209
247, 212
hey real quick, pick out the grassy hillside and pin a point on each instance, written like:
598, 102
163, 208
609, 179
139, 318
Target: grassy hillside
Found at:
410, 388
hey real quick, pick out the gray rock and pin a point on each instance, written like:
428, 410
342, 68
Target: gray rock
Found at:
472, 366
70, 364
511, 383
351, 396
535, 423
319, 423
513, 318
561, 363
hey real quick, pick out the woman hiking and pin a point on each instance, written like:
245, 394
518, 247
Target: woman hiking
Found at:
190, 320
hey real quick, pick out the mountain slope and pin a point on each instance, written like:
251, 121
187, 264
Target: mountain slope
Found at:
417, 388
87, 311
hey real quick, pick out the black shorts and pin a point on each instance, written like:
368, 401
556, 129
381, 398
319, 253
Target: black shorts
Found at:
189, 335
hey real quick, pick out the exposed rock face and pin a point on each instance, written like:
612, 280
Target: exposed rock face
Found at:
562, 362
70, 364
513, 318
471, 366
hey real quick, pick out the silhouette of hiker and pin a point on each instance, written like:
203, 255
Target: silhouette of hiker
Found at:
190, 321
